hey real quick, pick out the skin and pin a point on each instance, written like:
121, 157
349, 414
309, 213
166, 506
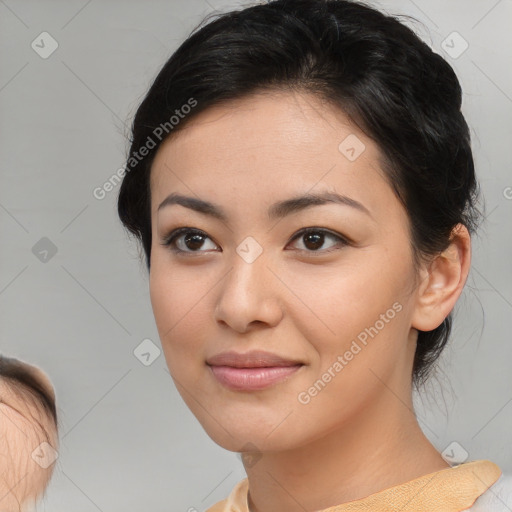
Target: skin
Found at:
359, 434
24, 425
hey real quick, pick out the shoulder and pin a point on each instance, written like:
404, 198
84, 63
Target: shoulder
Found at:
498, 498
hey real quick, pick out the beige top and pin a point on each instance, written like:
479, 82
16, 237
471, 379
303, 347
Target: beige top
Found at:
448, 490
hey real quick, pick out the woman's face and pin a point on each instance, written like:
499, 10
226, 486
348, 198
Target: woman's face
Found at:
336, 304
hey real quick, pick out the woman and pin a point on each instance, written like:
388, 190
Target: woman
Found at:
301, 181
28, 434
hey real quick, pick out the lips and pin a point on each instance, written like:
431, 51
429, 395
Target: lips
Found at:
251, 371
253, 359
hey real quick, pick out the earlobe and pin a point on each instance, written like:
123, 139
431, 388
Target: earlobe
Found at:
442, 282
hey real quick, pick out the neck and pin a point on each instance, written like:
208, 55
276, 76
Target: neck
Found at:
362, 457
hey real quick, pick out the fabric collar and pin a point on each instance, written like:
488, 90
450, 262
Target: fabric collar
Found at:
449, 490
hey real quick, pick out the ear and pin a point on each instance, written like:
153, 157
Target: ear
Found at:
442, 282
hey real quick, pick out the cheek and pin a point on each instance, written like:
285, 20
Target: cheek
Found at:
178, 302
359, 311
336, 303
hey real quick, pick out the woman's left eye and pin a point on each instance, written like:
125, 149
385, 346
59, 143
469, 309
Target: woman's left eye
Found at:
189, 240
313, 239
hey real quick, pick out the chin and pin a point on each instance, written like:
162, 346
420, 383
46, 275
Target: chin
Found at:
249, 437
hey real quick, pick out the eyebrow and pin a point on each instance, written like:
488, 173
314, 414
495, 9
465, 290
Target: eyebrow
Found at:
276, 211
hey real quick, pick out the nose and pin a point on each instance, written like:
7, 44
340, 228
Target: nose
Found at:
249, 296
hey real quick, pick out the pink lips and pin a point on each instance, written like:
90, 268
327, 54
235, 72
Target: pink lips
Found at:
251, 371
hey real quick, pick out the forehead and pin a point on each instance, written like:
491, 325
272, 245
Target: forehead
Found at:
264, 144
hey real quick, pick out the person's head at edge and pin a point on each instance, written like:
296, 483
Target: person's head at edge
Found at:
28, 418
272, 102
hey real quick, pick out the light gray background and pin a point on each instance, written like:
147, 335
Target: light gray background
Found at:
127, 440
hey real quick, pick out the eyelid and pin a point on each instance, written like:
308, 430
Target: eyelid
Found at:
174, 234
326, 231
169, 239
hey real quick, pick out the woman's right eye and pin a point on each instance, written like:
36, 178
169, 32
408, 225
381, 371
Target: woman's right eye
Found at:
186, 240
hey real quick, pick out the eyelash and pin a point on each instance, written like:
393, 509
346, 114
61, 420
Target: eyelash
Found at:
169, 240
